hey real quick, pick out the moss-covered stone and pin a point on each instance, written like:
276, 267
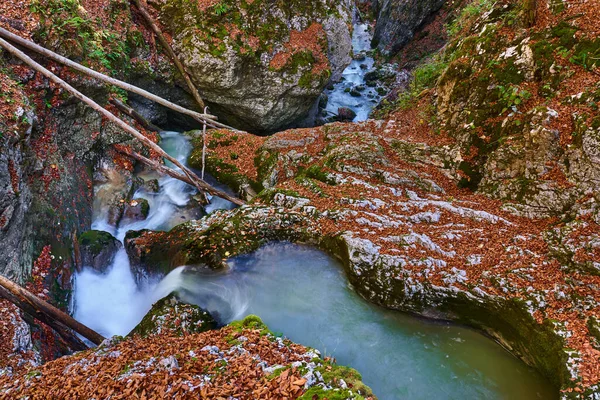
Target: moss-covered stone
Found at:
170, 316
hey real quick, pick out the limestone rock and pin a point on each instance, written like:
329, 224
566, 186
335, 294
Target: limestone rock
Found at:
398, 20
171, 316
97, 250
261, 66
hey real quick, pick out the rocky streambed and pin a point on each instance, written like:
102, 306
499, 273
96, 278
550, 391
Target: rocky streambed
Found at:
298, 291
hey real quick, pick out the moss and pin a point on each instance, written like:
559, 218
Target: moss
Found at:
565, 33
249, 322
96, 241
179, 319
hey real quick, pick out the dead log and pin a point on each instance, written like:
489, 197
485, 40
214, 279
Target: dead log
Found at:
44, 312
197, 182
125, 109
165, 44
177, 175
202, 118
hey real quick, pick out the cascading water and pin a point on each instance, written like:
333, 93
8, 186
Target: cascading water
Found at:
304, 293
352, 92
112, 303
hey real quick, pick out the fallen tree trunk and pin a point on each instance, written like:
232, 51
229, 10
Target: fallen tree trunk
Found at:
171, 172
61, 322
165, 44
202, 118
197, 182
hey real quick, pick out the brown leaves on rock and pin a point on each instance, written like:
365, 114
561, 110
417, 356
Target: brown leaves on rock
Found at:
212, 365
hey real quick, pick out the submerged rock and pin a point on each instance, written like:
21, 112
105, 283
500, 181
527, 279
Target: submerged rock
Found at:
97, 250
261, 65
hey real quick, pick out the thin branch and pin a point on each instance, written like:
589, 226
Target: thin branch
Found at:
197, 182
202, 118
175, 174
165, 44
125, 109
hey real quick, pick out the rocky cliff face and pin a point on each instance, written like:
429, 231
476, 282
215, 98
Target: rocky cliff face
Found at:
262, 64
398, 20
527, 125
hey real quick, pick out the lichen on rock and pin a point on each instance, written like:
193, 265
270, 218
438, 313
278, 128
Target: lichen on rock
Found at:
260, 65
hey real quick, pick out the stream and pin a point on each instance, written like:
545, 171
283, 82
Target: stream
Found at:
304, 294
352, 91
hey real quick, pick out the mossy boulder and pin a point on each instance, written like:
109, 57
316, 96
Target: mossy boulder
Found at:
170, 316
97, 250
260, 65
136, 210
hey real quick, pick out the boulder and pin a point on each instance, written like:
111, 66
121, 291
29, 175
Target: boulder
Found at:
136, 210
260, 66
346, 114
170, 316
398, 20
97, 250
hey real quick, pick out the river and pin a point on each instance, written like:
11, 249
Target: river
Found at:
304, 294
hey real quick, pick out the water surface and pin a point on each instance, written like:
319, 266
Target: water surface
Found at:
304, 294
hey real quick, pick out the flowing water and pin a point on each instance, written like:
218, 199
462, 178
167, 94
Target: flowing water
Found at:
353, 77
304, 294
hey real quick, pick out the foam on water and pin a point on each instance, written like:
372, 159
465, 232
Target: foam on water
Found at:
112, 303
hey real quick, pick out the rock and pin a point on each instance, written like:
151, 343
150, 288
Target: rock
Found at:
260, 65
97, 250
360, 88
398, 20
381, 91
359, 57
323, 101
151, 186
364, 66
136, 210
170, 316
372, 76
346, 114
355, 93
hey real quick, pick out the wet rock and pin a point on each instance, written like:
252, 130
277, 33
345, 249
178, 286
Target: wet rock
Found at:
398, 20
346, 114
301, 46
359, 57
355, 93
171, 316
372, 76
323, 100
151, 186
364, 66
97, 250
136, 210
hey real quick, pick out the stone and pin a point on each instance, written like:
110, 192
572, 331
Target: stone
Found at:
171, 316
346, 114
268, 69
398, 20
136, 210
97, 250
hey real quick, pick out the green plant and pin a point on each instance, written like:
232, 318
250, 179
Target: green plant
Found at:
468, 16
512, 96
221, 8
